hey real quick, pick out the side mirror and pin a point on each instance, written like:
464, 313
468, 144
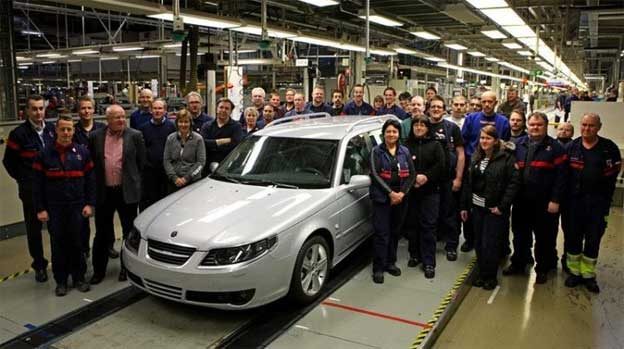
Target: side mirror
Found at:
213, 166
359, 181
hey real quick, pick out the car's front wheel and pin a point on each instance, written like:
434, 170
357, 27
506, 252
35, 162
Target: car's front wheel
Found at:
311, 270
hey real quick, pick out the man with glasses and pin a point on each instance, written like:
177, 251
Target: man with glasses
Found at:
195, 106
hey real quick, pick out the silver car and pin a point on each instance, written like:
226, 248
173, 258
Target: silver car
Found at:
279, 212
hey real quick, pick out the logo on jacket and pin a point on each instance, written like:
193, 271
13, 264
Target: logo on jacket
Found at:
174, 234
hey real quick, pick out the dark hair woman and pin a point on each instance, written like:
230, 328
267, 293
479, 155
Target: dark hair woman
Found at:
424, 199
491, 185
392, 176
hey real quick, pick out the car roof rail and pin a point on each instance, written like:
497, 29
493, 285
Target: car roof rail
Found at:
298, 117
373, 119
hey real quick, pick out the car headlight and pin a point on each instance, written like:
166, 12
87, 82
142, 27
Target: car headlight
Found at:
239, 254
133, 241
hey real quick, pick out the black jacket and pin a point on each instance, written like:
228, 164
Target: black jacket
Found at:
428, 158
498, 184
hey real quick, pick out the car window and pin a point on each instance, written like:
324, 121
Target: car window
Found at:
356, 160
263, 160
375, 137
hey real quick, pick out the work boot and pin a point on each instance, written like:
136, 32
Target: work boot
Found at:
429, 271
41, 275
61, 290
466, 247
413, 262
490, 284
541, 278
112, 253
573, 281
393, 270
592, 285
82, 286
451, 256
378, 277
478, 282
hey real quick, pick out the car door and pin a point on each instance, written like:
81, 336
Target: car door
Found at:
354, 204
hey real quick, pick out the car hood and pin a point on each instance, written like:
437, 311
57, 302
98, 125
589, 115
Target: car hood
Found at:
212, 213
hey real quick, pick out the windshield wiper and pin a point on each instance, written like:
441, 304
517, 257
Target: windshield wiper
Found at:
227, 178
268, 182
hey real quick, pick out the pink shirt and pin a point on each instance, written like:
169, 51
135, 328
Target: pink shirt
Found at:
113, 158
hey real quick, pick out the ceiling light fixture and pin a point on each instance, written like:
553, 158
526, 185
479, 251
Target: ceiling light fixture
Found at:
423, 34
520, 31
525, 53
503, 16
127, 48
492, 59
48, 55
511, 44
374, 17
455, 46
482, 4
476, 53
320, 3
204, 21
493, 34
85, 52
257, 30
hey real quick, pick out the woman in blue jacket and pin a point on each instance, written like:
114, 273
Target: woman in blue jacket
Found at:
392, 176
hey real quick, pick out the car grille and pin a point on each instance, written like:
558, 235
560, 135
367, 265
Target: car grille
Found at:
163, 289
169, 253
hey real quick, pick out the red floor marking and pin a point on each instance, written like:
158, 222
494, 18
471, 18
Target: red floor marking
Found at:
375, 314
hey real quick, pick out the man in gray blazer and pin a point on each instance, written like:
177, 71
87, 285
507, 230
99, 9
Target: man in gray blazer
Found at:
119, 156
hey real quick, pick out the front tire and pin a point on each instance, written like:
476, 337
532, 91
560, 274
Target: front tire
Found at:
311, 270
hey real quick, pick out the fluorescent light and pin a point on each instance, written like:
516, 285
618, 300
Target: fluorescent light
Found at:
405, 51
503, 16
48, 55
31, 32
74, 60
546, 66
48, 62
174, 45
494, 34
204, 21
514, 67
382, 20
85, 52
147, 56
328, 43
179, 54
320, 3
26, 63
425, 35
476, 54
256, 30
492, 59
482, 4
512, 45
434, 59
455, 46
109, 58
127, 48
520, 31
525, 53
22, 67
240, 51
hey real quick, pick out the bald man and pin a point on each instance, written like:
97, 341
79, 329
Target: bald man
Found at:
417, 106
487, 116
595, 164
142, 115
118, 153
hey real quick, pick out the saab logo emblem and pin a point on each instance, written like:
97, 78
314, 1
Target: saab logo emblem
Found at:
174, 234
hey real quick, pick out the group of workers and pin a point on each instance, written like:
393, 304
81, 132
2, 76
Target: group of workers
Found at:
491, 171
433, 174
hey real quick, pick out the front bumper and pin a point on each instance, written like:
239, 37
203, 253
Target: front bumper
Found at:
240, 286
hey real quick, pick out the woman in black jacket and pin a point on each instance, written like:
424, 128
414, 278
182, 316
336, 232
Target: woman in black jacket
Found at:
492, 183
424, 199
392, 176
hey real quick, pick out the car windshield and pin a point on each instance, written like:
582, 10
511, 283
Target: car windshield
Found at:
279, 161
